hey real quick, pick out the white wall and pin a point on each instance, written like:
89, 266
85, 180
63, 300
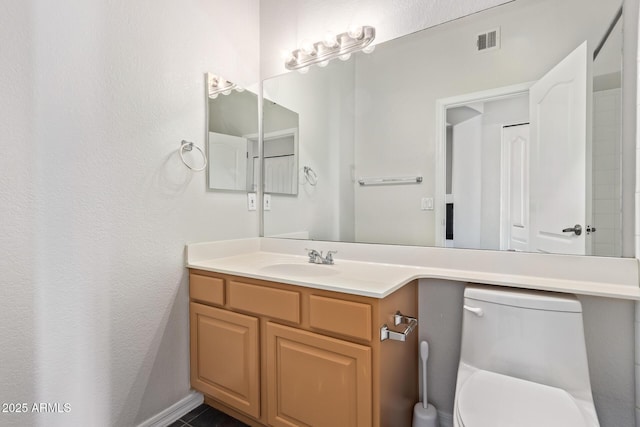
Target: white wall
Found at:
96, 206
325, 144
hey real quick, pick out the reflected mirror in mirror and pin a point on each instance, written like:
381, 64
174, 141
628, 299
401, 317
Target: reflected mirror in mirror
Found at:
494, 175
232, 126
280, 149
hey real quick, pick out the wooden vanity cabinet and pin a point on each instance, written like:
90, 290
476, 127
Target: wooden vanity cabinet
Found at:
272, 354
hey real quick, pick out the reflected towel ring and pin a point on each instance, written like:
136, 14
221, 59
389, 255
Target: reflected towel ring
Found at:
188, 146
310, 175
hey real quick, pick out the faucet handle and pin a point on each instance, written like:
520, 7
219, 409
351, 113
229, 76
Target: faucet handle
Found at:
329, 257
313, 254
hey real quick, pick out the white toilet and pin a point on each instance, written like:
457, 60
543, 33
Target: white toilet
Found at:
523, 361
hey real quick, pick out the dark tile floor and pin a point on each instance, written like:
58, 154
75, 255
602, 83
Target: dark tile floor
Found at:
206, 416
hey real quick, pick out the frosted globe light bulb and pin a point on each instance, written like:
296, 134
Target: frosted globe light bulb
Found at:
323, 63
213, 96
345, 57
307, 47
288, 56
303, 70
369, 48
330, 40
356, 32
239, 88
226, 92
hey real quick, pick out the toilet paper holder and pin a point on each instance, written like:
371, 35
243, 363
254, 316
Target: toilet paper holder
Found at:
398, 319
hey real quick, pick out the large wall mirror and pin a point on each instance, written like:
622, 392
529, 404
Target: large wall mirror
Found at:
232, 144
431, 141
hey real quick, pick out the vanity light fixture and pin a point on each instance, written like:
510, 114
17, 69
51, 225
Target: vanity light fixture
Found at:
220, 85
341, 45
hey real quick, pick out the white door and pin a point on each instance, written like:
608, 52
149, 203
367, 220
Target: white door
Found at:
227, 162
279, 173
560, 182
466, 183
514, 188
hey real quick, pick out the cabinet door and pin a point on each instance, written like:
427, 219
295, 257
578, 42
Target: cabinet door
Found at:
313, 380
225, 357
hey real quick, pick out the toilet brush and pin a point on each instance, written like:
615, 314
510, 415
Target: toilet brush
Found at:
424, 414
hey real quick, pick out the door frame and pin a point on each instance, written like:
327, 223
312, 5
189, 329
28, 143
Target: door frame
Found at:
442, 105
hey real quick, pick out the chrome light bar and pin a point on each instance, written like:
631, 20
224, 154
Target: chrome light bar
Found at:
331, 47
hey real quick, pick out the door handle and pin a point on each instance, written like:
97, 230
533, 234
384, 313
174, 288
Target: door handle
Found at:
575, 229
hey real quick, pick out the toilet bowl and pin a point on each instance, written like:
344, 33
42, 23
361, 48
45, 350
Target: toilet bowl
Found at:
523, 361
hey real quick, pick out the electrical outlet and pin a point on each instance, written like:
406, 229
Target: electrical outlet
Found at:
426, 204
252, 203
267, 202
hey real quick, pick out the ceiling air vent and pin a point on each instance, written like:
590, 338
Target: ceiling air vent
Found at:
488, 40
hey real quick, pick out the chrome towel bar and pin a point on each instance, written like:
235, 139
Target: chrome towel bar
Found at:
391, 180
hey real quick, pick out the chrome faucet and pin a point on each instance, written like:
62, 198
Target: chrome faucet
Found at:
316, 257
329, 258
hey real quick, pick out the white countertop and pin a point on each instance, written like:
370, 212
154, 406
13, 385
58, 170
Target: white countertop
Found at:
378, 270
354, 277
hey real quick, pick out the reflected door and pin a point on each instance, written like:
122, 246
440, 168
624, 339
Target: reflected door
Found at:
227, 162
560, 179
514, 189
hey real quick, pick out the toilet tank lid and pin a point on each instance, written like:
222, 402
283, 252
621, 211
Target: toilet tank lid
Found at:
539, 300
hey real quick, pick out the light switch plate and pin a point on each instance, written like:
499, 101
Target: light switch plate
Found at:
267, 202
426, 204
252, 203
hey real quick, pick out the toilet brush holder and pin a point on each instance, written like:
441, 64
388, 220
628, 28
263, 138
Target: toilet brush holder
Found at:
424, 414
425, 417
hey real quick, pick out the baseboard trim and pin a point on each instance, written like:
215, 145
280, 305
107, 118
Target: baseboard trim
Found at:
175, 411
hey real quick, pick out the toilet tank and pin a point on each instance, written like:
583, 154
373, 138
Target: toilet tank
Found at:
533, 335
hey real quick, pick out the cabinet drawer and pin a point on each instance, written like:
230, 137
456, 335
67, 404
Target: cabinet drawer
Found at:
206, 289
349, 318
276, 303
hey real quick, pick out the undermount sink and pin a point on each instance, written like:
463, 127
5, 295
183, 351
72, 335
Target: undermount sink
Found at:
300, 269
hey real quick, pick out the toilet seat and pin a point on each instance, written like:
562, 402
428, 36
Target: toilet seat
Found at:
488, 399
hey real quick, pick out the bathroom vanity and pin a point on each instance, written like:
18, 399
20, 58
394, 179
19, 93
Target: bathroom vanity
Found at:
279, 317
278, 354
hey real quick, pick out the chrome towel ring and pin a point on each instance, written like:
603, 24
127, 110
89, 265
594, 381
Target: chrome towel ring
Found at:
188, 146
